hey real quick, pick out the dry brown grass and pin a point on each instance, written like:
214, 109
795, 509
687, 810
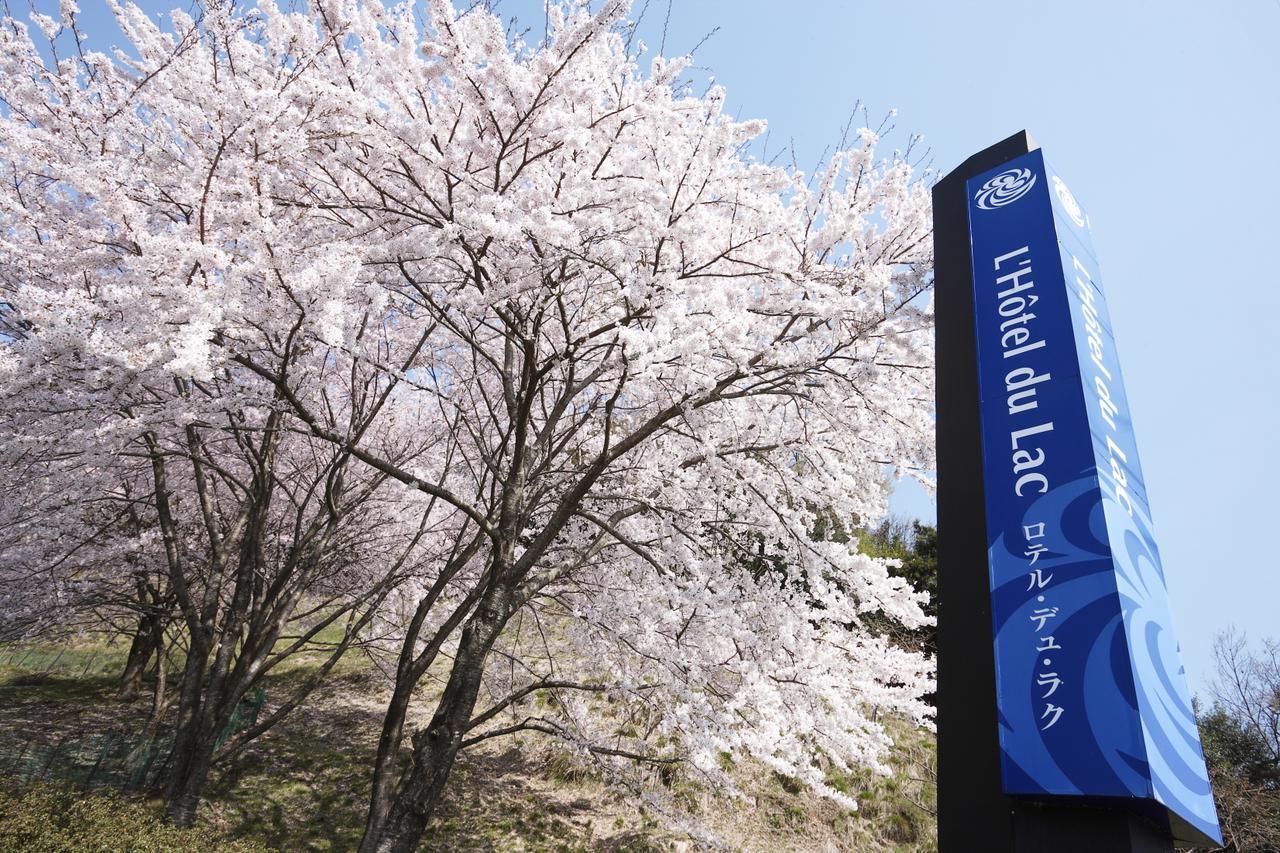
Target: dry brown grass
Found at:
303, 785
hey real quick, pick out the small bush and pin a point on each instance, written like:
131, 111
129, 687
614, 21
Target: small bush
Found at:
55, 819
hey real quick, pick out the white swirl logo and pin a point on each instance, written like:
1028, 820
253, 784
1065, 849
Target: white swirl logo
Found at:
1069, 203
1005, 188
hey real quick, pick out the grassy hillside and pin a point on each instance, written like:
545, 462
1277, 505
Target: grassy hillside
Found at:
303, 786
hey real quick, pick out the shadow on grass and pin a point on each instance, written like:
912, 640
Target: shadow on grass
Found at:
59, 688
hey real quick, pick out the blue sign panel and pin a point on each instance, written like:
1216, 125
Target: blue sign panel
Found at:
1092, 697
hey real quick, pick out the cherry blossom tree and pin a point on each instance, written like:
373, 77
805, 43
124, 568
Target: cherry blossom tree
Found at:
614, 366
186, 497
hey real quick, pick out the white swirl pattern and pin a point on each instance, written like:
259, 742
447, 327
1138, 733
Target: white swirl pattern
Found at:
1005, 188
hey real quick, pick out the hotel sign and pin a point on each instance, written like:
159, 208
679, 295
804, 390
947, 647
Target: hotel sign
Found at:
1091, 694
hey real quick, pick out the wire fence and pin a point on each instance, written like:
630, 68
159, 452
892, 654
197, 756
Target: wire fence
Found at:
112, 760
120, 760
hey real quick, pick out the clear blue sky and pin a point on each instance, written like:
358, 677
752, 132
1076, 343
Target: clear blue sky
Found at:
1164, 117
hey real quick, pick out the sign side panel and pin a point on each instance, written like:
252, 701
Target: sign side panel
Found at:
1176, 761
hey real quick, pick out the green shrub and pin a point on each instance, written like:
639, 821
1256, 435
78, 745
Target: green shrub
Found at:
55, 819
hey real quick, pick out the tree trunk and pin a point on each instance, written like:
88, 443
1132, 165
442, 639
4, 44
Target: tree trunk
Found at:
157, 690
208, 696
436, 747
146, 640
208, 714
186, 734
191, 772
185, 795
384, 766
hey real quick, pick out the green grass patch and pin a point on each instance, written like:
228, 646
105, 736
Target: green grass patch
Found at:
93, 657
54, 819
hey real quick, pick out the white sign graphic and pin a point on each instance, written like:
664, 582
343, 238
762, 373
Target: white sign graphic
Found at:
1005, 188
1069, 203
